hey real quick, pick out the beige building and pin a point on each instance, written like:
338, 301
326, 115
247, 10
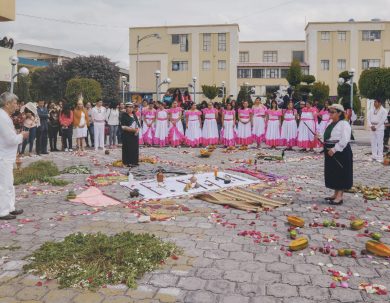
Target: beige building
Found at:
208, 53
333, 47
7, 13
7, 10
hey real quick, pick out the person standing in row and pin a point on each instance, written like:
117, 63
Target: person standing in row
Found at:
376, 121
53, 124
90, 132
176, 132
193, 130
149, 124
130, 141
112, 119
30, 124
307, 128
98, 117
8, 147
258, 118
325, 118
228, 131
80, 123
244, 129
210, 128
272, 135
288, 135
41, 144
66, 122
161, 134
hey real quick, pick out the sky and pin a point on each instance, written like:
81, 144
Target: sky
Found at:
100, 27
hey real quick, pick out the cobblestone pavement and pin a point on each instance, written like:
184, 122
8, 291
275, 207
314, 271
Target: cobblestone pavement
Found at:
218, 265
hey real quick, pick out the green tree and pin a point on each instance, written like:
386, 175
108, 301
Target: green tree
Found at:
210, 91
22, 88
375, 84
89, 88
244, 95
344, 93
308, 79
48, 83
320, 92
294, 74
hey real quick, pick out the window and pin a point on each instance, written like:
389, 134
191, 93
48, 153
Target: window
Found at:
325, 36
179, 66
370, 63
221, 64
341, 64
206, 42
305, 70
342, 36
272, 73
175, 39
298, 55
258, 73
371, 35
243, 73
244, 56
324, 64
222, 42
206, 65
270, 56
183, 40
283, 73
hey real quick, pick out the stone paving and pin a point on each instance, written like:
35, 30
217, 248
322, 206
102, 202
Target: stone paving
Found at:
218, 265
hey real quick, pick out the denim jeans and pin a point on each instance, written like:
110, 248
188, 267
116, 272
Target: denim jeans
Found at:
32, 134
112, 135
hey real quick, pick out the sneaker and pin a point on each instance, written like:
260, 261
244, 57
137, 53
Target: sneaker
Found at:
70, 149
66, 149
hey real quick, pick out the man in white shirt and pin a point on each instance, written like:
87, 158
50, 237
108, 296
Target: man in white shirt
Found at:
99, 118
376, 121
8, 146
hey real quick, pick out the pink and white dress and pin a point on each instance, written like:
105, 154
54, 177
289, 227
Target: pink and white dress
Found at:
140, 138
306, 138
272, 135
258, 129
176, 131
244, 131
210, 127
325, 121
193, 132
288, 136
148, 132
161, 134
228, 131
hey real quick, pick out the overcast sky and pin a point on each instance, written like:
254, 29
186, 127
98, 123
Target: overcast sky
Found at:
258, 20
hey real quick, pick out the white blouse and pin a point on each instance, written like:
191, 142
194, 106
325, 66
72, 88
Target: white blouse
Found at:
342, 133
9, 139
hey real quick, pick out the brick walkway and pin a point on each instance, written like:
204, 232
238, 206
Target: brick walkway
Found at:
218, 265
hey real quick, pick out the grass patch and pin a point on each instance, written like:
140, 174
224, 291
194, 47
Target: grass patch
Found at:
94, 260
42, 171
76, 170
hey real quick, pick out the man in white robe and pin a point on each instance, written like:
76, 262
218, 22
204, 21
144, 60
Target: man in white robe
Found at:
99, 119
376, 121
9, 141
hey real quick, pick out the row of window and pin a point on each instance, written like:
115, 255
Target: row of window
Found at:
342, 64
265, 73
371, 35
182, 40
178, 66
272, 56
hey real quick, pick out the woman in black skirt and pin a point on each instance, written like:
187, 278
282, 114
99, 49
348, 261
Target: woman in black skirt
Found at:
130, 131
338, 155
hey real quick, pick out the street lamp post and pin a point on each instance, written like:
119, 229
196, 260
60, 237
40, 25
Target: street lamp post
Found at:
124, 80
139, 39
157, 73
23, 71
194, 87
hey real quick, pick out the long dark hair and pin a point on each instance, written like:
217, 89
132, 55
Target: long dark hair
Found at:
113, 104
177, 93
66, 110
276, 103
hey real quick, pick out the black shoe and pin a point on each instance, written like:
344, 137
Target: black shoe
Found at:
332, 202
8, 217
329, 199
46, 153
16, 212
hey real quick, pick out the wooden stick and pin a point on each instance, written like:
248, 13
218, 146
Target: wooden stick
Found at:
150, 189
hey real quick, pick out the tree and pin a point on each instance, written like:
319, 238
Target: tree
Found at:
22, 88
48, 83
344, 93
320, 92
308, 79
210, 91
244, 95
294, 74
89, 88
375, 84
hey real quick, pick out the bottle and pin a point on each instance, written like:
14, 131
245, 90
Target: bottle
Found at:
215, 172
130, 178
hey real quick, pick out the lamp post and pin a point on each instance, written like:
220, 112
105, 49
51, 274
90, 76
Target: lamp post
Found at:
194, 87
23, 71
157, 73
139, 39
123, 80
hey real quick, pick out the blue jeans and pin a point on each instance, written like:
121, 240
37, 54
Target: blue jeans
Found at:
112, 134
32, 134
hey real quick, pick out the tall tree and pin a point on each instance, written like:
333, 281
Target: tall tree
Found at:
294, 74
210, 91
320, 92
375, 84
344, 93
89, 88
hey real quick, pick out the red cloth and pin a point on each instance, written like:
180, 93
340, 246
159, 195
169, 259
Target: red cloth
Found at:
66, 121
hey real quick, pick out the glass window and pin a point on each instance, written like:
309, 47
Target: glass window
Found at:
221, 64
298, 55
283, 73
258, 73
342, 36
244, 56
222, 42
324, 64
243, 73
305, 70
341, 64
206, 42
183, 40
371, 35
179, 66
370, 63
270, 56
272, 73
325, 36
206, 65
175, 39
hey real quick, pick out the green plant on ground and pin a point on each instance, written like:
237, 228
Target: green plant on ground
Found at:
94, 260
76, 170
42, 171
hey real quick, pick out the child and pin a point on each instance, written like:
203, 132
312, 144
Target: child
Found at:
228, 132
306, 138
193, 131
148, 127
258, 130
210, 128
244, 129
176, 132
161, 134
289, 127
272, 136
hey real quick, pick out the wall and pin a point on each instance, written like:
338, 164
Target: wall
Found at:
7, 10
5, 66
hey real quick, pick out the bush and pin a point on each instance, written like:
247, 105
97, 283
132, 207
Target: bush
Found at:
89, 88
375, 83
320, 92
308, 79
294, 74
210, 91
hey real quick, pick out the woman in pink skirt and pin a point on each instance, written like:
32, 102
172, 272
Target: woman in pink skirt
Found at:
244, 129
149, 123
228, 131
288, 134
193, 130
161, 135
272, 135
258, 118
325, 119
176, 132
306, 139
210, 128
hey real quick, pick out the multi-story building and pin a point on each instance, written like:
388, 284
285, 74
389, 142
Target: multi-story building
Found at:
207, 53
333, 47
7, 13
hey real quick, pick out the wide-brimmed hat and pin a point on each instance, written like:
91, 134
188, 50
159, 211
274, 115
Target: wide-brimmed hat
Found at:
338, 107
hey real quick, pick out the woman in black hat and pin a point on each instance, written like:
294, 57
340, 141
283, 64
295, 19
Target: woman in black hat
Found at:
130, 142
338, 155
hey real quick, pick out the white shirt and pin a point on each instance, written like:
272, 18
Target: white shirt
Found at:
112, 116
98, 114
342, 133
9, 138
377, 118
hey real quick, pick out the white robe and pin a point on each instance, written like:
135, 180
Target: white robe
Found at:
377, 118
